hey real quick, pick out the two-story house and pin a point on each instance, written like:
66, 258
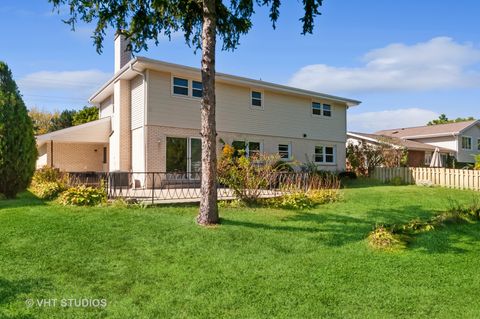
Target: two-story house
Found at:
150, 121
461, 139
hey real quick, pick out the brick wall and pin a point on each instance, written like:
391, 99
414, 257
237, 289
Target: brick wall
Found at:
78, 157
416, 158
156, 137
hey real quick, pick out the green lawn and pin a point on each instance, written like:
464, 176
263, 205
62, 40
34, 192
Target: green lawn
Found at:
259, 263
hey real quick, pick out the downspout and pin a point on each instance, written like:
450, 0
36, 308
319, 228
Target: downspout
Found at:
51, 153
144, 78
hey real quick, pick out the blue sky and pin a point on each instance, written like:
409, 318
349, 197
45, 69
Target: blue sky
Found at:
408, 61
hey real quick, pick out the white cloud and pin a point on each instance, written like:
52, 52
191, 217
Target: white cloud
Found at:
61, 88
435, 64
375, 121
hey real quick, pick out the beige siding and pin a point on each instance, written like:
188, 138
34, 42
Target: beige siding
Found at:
106, 107
301, 148
137, 102
282, 116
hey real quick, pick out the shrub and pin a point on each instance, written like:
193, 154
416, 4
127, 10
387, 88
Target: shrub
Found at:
18, 150
347, 175
83, 196
304, 200
324, 196
47, 190
477, 162
383, 238
247, 177
282, 166
296, 200
48, 183
49, 174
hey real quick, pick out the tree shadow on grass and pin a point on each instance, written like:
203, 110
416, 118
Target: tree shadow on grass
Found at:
25, 199
337, 229
12, 291
452, 238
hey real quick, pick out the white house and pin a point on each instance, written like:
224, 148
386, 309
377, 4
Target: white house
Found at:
462, 138
150, 121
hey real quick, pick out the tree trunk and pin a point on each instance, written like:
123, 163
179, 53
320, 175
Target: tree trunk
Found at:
208, 203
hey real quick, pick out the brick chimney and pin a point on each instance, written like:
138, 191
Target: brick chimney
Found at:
122, 54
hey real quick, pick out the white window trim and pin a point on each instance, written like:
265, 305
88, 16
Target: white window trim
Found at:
325, 163
289, 151
321, 109
254, 107
471, 143
190, 88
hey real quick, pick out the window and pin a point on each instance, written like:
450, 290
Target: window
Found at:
257, 99
466, 143
249, 149
180, 86
324, 154
197, 89
327, 110
478, 144
428, 159
316, 108
253, 149
284, 151
321, 109
105, 155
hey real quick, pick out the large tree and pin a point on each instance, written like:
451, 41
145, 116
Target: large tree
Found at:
201, 21
18, 151
85, 115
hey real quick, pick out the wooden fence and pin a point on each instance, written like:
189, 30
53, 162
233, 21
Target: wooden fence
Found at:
452, 178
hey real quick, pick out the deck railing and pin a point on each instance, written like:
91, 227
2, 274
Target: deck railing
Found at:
172, 187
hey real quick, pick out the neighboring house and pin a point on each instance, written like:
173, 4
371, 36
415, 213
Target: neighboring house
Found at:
419, 154
150, 121
462, 138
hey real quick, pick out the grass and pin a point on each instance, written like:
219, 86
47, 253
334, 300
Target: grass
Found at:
259, 263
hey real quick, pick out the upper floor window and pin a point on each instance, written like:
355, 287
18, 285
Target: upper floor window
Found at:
325, 154
478, 144
466, 143
321, 109
257, 100
284, 151
197, 89
180, 86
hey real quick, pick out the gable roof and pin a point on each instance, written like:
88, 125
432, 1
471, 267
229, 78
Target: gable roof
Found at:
449, 129
140, 64
408, 144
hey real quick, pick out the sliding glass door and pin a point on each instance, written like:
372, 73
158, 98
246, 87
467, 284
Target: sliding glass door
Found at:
184, 155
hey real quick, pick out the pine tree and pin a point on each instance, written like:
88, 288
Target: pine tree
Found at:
18, 151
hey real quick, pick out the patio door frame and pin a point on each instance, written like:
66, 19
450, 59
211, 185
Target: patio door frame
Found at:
189, 173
